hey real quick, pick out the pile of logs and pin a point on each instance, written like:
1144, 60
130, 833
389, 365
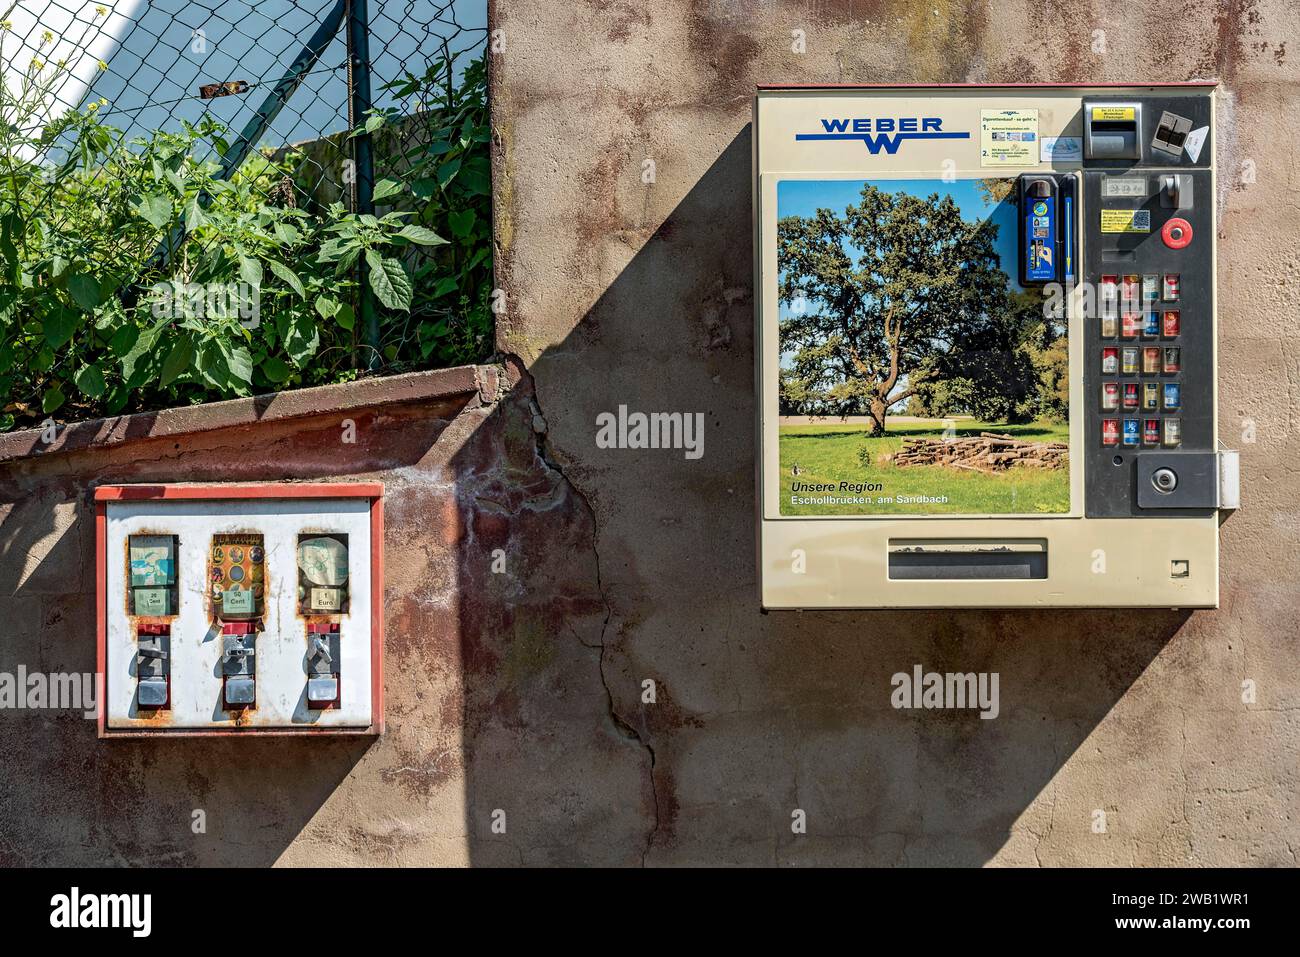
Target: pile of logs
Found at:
989, 452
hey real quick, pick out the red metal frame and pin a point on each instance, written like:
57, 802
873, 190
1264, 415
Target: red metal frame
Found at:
212, 492
982, 86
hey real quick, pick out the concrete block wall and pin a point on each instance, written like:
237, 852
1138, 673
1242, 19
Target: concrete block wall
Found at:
536, 582
628, 292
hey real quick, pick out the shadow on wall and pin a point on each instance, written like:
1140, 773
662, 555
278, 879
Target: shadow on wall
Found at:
535, 583
70, 799
756, 715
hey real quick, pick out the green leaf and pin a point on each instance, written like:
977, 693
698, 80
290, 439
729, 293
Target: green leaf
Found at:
124, 340
347, 260
327, 306
90, 380
133, 371
52, 399
59, 325
303, 339
194, 215
386, 188
461, 222
154, 209
178, 360
374, 123
84, 291
277, 370
425, 237
241, 364
289, 276
210, 363
445, 285
176, 182
424, 188
476, 179
250, 270
345, 317
287, 234
447, 171
389, 281
329, 250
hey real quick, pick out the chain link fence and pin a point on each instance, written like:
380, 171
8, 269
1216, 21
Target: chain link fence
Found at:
224, 198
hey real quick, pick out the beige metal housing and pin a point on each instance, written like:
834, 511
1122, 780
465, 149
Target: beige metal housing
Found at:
836, 562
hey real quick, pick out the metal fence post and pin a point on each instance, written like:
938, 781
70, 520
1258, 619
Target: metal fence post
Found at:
363, 179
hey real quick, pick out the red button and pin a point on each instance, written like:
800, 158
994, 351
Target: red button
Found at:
1176, 233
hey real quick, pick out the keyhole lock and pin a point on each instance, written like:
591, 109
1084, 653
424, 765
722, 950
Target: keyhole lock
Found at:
1165, 480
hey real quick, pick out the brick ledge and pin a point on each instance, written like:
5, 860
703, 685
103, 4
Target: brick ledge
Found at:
279, 406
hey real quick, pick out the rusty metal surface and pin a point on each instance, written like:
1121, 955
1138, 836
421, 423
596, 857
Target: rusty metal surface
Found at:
236, 546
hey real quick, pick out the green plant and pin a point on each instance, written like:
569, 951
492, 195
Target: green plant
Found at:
439, 169
132, 276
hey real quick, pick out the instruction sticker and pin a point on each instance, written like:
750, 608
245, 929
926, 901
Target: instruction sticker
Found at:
1009, 138
1126, 220
1113, 113
1195, 140
1061, 149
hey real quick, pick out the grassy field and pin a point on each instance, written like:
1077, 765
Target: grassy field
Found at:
828, 453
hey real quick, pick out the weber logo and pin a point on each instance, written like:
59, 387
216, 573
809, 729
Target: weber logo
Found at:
77, 910
885, 133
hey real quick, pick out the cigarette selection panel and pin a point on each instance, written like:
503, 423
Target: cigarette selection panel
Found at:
1149, 257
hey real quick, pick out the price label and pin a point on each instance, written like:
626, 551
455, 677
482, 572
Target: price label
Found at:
326, 599
237, 601
151, 601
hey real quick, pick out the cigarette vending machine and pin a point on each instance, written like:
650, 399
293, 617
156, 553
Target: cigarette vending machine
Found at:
986, 347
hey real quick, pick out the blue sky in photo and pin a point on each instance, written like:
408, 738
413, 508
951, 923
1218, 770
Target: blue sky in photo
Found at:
804, 197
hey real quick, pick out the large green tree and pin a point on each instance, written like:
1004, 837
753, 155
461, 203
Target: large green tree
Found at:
891, 297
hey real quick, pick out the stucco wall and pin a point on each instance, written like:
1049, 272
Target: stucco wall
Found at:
623, 292
493, 694
521, 690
